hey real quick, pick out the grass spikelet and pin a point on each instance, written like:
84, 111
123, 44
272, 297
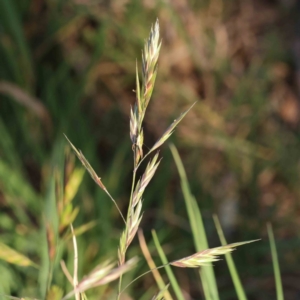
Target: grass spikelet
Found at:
102, 274
144, 181
138, 91
205, 257
139, 145
149, 71
94, 175
134, 215
130, 231
149, 67
122, 247
133, 125
134, 223
170, 130
87, 166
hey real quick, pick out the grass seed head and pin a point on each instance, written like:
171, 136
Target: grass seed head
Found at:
101, 275
205, 257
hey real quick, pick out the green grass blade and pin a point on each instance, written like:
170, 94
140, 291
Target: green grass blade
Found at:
232, 269
160, 295
13, 26
45, 263
14, 257
50, 219
278, 283
15, 187
169, 271
8, 149
207, 274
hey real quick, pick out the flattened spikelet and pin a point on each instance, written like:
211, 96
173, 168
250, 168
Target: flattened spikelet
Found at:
144, 181
205, 257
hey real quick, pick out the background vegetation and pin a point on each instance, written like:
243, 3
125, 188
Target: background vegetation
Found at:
69, 67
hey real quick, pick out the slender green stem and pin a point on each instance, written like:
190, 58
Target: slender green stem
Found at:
276, 267
119, 288
114, 201
50, 273
169, 271
135, 168
128, 213
146, 155
147, 272
241, 295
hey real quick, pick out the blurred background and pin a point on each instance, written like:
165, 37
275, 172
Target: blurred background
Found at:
69, 67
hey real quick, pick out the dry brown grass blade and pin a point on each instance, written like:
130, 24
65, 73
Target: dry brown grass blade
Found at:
66, 271
75, 272
152, 267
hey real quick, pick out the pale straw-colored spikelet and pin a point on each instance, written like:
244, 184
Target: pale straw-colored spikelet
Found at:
102, 275
170, 130
143, 95
135, 217
144, 181
133, 125
122, 247
87, 166
149, 66
130, 231
134, 223
205, 257
139, 145
94, 175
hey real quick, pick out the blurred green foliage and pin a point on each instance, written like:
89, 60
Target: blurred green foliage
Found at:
68, 67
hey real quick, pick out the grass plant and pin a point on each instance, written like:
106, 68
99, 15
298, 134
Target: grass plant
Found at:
52, 232
276, 267
134, 211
